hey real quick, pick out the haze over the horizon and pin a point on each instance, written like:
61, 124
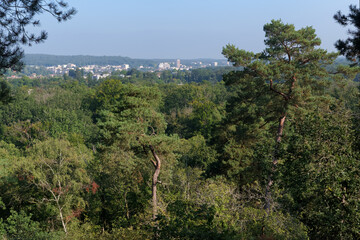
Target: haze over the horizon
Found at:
181, 29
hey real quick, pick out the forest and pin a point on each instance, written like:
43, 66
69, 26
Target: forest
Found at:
267, 149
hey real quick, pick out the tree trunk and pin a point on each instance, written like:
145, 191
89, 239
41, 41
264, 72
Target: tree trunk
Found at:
57, 200
157, 165
275, 159
126, 207
61, 217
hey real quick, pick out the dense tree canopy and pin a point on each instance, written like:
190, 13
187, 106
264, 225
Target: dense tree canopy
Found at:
269, 150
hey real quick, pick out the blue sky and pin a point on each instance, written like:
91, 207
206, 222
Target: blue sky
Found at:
182, 29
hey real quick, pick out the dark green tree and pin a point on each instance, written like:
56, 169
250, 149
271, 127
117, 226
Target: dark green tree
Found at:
192, 109
132, 126
21, 226
5, 92
15, 17
350, 47
321, 173
76, 74
287, 74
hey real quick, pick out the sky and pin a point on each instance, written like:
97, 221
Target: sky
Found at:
184, 29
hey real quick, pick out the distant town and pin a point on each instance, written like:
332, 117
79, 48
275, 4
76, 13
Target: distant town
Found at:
98, 71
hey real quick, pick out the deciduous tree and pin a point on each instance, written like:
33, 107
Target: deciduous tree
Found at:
58, 170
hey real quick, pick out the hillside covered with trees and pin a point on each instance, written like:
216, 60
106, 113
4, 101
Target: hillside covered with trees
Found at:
267, 149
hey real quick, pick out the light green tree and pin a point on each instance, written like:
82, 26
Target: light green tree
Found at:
58, 170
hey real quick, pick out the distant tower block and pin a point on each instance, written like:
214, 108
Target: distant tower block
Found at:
178, 63
215, 64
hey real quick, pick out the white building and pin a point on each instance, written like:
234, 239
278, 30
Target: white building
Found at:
164, 66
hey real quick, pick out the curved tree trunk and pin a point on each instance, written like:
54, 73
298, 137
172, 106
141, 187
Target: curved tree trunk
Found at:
286, 96
157, 165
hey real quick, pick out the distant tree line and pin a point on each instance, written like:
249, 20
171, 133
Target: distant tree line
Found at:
82, 60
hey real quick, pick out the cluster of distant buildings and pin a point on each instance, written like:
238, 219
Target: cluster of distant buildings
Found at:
98, 71
178, 66
64, 69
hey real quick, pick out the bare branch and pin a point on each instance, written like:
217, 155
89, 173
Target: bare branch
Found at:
278, 92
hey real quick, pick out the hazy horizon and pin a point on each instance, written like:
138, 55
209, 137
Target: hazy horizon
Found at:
163, 29
90, 55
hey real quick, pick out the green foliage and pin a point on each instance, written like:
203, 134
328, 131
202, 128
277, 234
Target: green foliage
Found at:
189, 221
58, 171
20, 226
215, 141
289, 81
289, 78
8, 155
128, 113
321, 173
15, 18
212, 75
76, 74
193, 109
23, 134
257, 224
351, 46
196, 153
129, 123
5, 92
120, 195
36, 113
